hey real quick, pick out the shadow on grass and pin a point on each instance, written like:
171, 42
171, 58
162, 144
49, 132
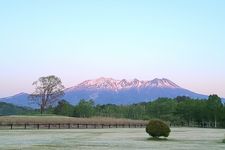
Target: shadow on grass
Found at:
157, 139
161, 139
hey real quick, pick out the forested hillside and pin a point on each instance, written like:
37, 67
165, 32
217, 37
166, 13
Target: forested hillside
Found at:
10, 109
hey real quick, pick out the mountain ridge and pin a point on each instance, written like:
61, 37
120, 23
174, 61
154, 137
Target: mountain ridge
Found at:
113, 84
108, 90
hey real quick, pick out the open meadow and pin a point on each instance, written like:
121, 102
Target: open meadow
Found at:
119, 139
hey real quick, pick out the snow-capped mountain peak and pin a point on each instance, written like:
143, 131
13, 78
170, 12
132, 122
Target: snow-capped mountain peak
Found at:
102, 82
162, 83
115, 85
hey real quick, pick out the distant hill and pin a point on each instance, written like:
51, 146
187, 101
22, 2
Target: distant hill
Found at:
20, 99
11, 109
108, 90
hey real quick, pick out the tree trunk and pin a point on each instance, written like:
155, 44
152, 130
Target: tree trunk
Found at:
215, 122
42, 109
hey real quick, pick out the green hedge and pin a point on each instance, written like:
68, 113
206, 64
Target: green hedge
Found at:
157, 128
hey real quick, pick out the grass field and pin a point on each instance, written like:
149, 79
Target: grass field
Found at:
65, 120
121, 139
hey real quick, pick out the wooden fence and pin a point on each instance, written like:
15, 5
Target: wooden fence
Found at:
69, 126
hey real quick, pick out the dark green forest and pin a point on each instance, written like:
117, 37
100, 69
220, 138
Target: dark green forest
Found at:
180, 111
10, 109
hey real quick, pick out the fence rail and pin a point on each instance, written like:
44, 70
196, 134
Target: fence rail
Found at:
68, 126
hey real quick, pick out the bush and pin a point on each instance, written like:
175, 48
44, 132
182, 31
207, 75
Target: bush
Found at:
157, 128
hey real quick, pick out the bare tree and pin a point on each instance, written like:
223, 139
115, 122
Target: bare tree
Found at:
48, 90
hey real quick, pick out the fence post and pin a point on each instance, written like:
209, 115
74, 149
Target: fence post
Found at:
38, 126
11, 126
69, 125
25, 126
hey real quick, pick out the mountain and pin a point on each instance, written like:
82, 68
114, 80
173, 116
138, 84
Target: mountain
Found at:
109, 90
116, 85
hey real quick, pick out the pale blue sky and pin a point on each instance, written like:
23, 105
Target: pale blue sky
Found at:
183, 41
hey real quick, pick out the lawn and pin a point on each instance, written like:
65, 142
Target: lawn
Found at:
97, 139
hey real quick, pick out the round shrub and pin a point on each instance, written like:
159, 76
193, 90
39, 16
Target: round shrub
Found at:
157, 128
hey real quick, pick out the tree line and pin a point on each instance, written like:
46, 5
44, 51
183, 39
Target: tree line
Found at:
180, 111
